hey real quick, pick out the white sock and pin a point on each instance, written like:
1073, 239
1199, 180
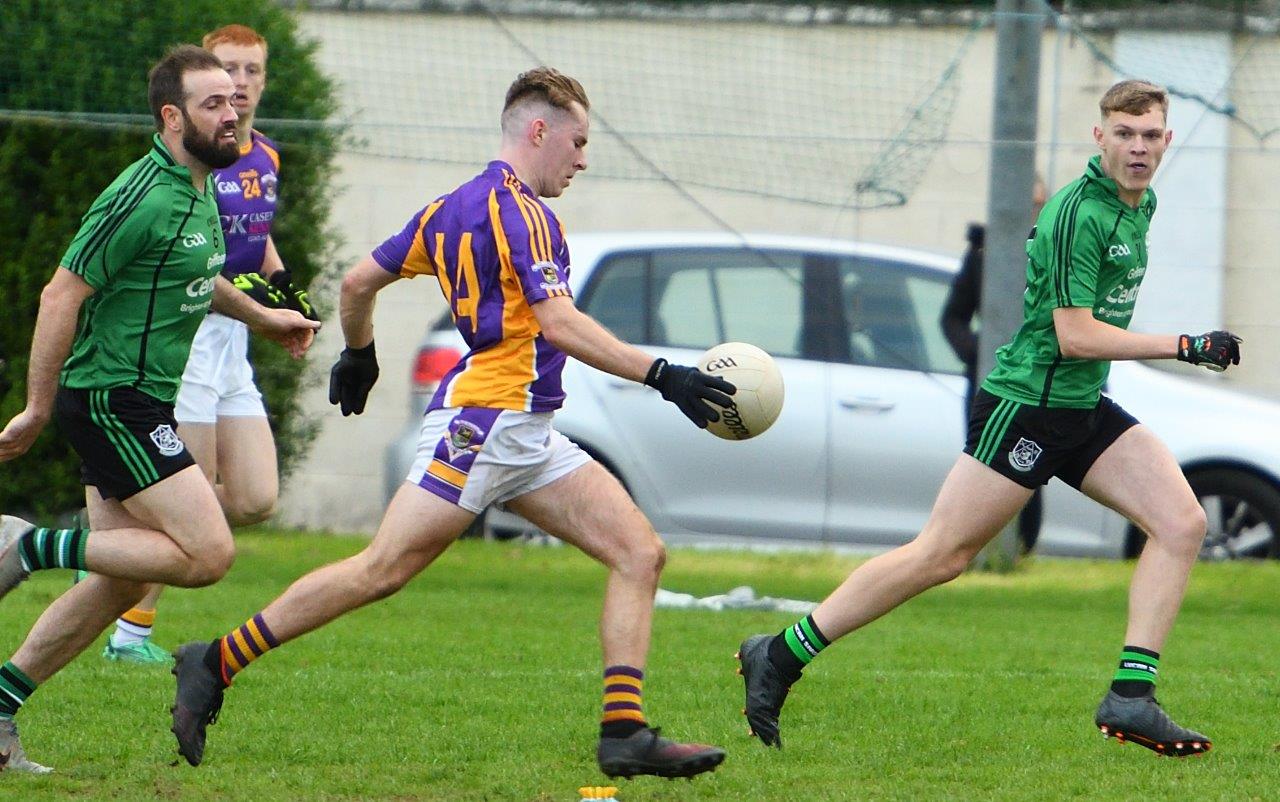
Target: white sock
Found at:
127, 633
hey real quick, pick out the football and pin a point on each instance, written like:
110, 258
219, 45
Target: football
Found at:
759, 398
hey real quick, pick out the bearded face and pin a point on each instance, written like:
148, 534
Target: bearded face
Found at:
217, 148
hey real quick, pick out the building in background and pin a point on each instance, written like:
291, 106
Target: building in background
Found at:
845, 123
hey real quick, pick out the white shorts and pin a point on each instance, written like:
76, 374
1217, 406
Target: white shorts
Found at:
476, 456
218, 379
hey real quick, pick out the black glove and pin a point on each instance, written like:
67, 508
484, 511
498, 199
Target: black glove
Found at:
294, 298
352, 378
690, 389
257, 288
1216, 350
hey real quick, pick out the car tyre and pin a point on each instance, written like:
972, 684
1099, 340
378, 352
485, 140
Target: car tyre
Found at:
1243, 511
1244, 514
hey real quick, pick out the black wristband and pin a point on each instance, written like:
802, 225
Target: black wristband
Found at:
362, 353
655, 372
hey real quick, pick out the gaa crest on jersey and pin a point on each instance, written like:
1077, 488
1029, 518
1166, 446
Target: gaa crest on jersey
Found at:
166, 440
1024, 455
269, 182
464, 438
550, 276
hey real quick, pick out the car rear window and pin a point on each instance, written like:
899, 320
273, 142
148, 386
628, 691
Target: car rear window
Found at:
699, 297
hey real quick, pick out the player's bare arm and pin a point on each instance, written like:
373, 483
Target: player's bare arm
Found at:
360, 288
1082, 336
284, 326
356, 370
271, 261
60, 303
581, 337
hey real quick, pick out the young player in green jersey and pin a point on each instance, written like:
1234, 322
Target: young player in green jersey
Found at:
112, 336
1039, 414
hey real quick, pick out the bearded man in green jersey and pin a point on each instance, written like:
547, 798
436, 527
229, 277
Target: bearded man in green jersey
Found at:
112, 337
1040, 413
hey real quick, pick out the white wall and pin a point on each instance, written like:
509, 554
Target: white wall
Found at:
1217, 239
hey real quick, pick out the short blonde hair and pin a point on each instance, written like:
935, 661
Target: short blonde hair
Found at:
548, 85
1134, 97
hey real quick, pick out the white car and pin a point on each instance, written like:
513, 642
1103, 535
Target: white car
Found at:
873, 417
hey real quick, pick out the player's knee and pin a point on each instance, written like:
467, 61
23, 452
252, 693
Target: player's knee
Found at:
644, 555
1195, 524
248, 511
377, 579
953, 564
1184, 531
378, 587
943, 562
211, 564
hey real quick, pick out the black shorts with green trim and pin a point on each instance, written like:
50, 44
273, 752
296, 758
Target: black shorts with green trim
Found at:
125, 438
1030, 444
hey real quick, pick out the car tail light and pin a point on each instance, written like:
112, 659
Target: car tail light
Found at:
431, 365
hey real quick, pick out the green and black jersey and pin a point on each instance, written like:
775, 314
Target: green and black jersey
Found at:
151, 247
1088, 249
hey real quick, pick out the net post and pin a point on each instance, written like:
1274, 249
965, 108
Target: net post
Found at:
1019, 27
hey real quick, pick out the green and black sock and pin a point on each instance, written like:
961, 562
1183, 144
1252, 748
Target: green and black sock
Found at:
792, 648
52, 548
1136, 675
15, 687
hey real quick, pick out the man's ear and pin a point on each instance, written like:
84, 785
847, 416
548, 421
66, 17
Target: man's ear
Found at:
172, 116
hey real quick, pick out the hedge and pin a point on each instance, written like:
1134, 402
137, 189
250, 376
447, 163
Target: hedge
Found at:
68, 56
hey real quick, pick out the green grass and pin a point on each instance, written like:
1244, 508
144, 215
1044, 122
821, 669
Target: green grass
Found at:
480, 681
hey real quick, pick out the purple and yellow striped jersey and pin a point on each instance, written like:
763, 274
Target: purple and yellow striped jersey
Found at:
496, 250
247, 204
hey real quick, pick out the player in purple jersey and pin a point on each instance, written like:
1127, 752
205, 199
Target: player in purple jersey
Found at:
219, 408
499, 254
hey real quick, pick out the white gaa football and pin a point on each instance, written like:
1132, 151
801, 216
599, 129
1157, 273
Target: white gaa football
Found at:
759, 398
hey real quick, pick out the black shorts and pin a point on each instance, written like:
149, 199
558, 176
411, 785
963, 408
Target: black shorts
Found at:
1031, 444
125, 438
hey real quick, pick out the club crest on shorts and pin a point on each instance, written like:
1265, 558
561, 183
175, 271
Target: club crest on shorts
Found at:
1024, 454
166, 440
464, 438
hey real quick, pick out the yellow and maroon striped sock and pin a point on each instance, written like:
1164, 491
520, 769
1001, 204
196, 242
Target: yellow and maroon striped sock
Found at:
623, 711
241, 646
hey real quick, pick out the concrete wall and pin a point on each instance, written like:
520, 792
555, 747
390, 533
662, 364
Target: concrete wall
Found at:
340, 485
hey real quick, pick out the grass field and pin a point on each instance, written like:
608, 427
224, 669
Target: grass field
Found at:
480, 681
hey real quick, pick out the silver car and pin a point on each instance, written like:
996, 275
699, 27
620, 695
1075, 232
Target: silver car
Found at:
873, 417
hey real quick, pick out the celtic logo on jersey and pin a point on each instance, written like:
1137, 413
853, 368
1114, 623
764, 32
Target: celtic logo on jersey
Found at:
166, 440
464, 437
1024, 454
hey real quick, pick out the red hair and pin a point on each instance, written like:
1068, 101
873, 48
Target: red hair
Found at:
235, 35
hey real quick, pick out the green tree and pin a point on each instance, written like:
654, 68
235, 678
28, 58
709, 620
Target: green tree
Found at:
73, 114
